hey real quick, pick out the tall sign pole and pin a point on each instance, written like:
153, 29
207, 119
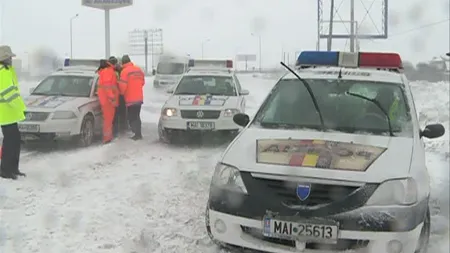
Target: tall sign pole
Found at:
146, 42
107, 6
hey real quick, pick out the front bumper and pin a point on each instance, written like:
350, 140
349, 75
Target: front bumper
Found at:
247, 233
49, 129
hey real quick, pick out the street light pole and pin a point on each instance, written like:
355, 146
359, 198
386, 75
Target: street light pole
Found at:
203, 46
260, 51
71, 35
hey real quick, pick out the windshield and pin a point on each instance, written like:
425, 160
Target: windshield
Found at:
72, 86
213, 85
290, 106
168, 68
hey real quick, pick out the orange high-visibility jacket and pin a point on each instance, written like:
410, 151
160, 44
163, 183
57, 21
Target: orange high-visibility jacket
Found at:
131, 84
107, 91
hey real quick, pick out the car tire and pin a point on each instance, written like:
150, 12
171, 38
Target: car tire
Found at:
424, 239
86, 136
164, 137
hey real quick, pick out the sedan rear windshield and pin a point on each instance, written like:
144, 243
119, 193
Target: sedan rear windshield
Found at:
290, 106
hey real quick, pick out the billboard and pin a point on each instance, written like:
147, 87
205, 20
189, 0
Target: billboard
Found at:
106, 4
246, 57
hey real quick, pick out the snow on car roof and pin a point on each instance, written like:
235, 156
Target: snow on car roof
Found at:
348, 74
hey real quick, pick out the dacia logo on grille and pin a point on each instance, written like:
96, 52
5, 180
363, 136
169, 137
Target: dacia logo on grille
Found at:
28, 116
200, 114
303, 191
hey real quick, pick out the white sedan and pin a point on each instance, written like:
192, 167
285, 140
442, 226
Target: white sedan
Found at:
202, 102
64, 106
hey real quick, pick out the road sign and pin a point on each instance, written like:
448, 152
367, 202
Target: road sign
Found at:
106, 4
246, 57
146, 42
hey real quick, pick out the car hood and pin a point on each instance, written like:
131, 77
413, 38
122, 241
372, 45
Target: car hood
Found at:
202, 101
336, 156
53, 103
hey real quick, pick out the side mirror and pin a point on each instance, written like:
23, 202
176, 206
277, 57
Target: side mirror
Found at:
31, 89
241, 119
169, 91
245, 92
432, 131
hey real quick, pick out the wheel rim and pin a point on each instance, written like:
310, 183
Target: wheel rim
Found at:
87, 132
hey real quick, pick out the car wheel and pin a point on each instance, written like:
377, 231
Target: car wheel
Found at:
86, 136
163, 135
424, 239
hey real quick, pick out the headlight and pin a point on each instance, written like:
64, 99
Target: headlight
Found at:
395, 192
64, 115
229, 178
230, 112
169, 112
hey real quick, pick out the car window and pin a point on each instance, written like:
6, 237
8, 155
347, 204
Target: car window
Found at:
214, 85
170, 68
291, 106
73, 86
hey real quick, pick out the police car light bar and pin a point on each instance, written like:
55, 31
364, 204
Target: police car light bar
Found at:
81, 62
211, 63
349, 60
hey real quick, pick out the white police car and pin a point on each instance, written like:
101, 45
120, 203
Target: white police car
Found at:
205, 100
323, 168
64, 106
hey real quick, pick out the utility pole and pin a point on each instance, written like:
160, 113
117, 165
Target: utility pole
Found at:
352, 26
260, 51
71, 35
146, 50
330, 28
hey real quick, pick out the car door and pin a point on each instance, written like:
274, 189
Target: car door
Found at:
242, 100
96, 108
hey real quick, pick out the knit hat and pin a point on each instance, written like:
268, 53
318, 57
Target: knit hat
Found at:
6, 53
113, 60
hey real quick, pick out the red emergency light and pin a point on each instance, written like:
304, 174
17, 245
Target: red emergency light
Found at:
380, 60
229, 64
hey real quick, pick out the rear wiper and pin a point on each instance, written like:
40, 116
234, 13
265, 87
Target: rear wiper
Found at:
391, 133
308, 87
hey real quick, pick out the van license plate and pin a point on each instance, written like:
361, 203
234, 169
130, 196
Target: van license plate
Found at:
301, 231
27, 128
201, 125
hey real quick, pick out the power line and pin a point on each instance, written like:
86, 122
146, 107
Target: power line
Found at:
421, 27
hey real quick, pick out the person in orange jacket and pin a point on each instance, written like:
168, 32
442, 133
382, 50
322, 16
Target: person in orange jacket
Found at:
108, 94
131, 85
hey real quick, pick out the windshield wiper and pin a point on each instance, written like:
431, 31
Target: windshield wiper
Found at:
308, 87
391, 132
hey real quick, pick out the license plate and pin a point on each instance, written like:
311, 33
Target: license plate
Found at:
201, 125
300, 231
26, 128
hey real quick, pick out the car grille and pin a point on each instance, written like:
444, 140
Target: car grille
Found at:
36, 116
195, 114
319, 194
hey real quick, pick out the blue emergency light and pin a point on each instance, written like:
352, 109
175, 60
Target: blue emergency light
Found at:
349, 60
66, 62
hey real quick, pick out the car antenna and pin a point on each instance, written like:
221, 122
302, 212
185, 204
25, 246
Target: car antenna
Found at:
308, 87
391, 133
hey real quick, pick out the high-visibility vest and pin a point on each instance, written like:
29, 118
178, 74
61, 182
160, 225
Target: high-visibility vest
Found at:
393, 109
12, 106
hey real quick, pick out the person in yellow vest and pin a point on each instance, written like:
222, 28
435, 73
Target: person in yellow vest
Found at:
12, 111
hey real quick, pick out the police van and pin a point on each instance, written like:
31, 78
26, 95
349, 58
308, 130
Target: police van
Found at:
204, 101
334, 162
169, 70
64, 106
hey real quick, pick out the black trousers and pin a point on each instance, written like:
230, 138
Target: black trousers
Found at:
134, 119
10, 149
120, 118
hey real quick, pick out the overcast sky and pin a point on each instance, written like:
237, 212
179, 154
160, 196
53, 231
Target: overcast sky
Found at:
288, 25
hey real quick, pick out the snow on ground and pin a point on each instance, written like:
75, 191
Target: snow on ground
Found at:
149, 197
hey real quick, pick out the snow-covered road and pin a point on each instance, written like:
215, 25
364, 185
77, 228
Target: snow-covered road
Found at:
149, 197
